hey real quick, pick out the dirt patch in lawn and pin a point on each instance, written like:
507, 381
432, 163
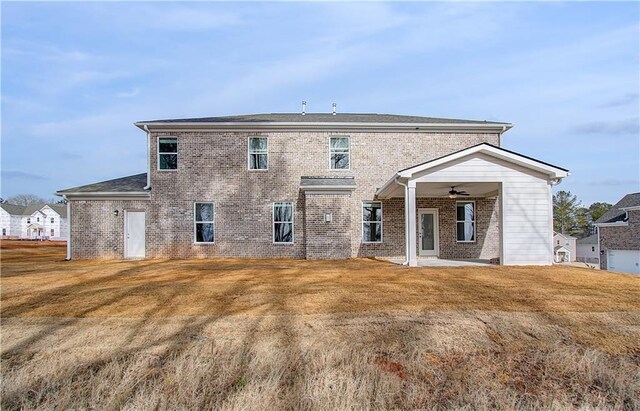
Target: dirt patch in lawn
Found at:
294, 334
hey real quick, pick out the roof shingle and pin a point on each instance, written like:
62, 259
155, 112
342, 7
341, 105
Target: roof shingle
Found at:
135, 183
615, 213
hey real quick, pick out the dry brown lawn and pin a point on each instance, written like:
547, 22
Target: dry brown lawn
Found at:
295, 334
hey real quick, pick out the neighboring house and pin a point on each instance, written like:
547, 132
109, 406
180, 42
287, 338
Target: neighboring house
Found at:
564, 248
322, 186
588, 250
35, 222
619, 231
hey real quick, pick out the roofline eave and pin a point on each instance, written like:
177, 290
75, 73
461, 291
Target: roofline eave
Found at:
272, 125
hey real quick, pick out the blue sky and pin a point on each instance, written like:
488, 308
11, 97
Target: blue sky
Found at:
75, 76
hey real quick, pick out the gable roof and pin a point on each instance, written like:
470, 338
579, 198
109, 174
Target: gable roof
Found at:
567, 236
560, 247
123, 185
324, 120
616, 213
592, 239
13, 209
61, 209
554, 172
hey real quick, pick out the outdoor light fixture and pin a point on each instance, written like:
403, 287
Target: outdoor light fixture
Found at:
328, 217
116, 212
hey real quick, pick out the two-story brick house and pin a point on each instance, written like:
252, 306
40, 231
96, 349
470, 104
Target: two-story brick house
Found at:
619, 236
321, 186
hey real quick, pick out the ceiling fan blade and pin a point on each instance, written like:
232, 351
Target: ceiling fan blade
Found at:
462, 193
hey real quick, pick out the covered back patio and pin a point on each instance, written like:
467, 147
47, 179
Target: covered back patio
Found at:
483, 203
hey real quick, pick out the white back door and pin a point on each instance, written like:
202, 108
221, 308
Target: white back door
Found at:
134, 234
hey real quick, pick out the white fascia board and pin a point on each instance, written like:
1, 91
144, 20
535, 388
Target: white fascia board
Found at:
135, 195
553, 172
633, 208
616, 224
337, 188
269, 125
389, 186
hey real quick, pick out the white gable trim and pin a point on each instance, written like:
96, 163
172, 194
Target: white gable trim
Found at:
493, 151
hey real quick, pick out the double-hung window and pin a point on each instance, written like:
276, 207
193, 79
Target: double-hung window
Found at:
203, 222
283, 223
372, 222
466, 221
258, 153
339, 153
167, 153
52, 220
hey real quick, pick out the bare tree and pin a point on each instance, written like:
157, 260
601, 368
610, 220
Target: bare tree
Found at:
26, 199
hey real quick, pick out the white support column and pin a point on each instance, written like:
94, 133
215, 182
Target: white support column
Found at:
411, 209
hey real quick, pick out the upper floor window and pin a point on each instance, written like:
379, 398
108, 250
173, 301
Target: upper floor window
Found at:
28, 220
38, 219
203, 222
283, 223
466, 221
258, 153
167, 153
53, 233
51, 220
339, 153
372, 222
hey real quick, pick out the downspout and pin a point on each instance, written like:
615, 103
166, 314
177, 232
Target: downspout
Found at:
406, 223
68, 227
504, 128
148, 186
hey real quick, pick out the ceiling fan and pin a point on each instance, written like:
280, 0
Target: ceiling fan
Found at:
453, 193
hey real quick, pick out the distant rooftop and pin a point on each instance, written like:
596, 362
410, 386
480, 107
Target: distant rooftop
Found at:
615, 213
325, 118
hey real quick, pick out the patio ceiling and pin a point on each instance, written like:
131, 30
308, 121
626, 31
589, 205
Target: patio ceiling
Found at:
480, 189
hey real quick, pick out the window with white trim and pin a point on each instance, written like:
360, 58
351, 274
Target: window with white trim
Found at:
258, 153
51, 220
28, 220
167, 153
4, 231
204, 222
465, 221
283, 222
52, 232
372, 222
339, 155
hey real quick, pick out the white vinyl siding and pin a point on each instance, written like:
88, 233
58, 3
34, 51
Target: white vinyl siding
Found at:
258, 153
525, 208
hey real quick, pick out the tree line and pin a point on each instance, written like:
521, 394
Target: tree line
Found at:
30, 199
572, 218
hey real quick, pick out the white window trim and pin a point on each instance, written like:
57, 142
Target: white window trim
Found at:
363, 222
474, 221
249, 154
273, 222
158, 154
349, 152
196, 221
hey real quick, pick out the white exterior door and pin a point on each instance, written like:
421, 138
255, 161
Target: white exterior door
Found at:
134, 234
627, 261
428, 238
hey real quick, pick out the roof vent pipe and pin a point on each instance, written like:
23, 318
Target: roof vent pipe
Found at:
334, 109
304, 107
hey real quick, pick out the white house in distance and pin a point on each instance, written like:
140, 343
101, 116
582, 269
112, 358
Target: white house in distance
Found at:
564, 248
588, 250
34, 222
